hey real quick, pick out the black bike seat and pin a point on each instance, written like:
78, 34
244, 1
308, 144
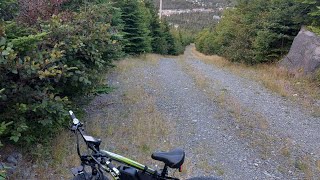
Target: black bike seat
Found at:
173, 159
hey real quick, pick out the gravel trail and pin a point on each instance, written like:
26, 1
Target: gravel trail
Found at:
210, 148
283, 116
269, 138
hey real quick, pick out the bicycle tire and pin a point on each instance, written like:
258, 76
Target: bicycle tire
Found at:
79, 177
87, 177
204, 178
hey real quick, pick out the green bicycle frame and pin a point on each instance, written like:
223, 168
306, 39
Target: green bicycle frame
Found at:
129, 162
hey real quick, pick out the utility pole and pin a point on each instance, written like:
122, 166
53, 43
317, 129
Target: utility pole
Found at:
160, 10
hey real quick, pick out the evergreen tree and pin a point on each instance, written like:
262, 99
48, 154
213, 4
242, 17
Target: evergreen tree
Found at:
8, 9
170, 39
136, 32
158, 42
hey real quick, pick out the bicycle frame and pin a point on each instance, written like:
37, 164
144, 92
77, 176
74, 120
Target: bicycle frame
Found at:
129, 162
107, 157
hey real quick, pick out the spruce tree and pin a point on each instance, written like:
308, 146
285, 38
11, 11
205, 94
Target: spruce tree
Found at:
136, 32
170, 39
159, 42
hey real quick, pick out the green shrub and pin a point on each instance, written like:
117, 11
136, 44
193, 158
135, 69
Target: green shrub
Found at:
254, 31
44, 70
8, 9
46, 65
28, 96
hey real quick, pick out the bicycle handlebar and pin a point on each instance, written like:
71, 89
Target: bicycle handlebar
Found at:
75, 121
93, 144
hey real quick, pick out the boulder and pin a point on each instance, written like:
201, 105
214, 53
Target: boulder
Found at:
304, 54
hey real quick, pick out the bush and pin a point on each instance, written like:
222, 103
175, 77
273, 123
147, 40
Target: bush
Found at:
46, 65
254, 31
8, 9
41, 73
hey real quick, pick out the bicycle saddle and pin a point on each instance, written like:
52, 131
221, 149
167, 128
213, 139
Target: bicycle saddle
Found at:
174, 158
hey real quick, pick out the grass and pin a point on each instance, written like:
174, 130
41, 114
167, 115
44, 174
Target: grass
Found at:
304, 90
303, 164
122, 123
318, 165
219, 170
136, 127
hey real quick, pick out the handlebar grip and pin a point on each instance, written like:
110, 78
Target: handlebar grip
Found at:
75, 121
72, 115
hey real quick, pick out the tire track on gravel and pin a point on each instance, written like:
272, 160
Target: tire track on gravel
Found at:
212, 149
286, 121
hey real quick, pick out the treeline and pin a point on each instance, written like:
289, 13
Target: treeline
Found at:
53, 52
258, 31
193, 21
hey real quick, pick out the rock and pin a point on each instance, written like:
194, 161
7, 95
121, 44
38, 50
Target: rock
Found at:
2, 165
304, 55
10, 168
14, 158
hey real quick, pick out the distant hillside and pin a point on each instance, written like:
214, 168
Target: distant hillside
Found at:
190, 4
193, 14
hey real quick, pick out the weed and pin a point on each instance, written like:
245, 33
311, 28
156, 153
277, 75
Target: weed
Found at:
102, 89
219, 170
318, 165
301, 165
285, 151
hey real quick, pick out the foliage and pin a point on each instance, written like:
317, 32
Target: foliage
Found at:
3, 172
255, 31
181, 38
32, 10
144, 32
8, 9
136, 32
158, 42
313, 12
41, 73
56, 54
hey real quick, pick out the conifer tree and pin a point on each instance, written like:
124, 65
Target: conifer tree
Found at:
159, 42
136, 32
170, 39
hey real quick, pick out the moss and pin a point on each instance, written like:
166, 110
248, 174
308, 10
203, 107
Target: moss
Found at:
315, 29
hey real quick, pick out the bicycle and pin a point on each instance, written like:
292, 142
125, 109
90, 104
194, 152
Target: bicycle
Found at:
100, 161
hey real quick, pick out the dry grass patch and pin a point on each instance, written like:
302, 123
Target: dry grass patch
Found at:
55, 165
128, 64
219, 169
137, 127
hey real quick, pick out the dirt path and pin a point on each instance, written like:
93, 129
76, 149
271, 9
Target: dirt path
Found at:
230, 127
